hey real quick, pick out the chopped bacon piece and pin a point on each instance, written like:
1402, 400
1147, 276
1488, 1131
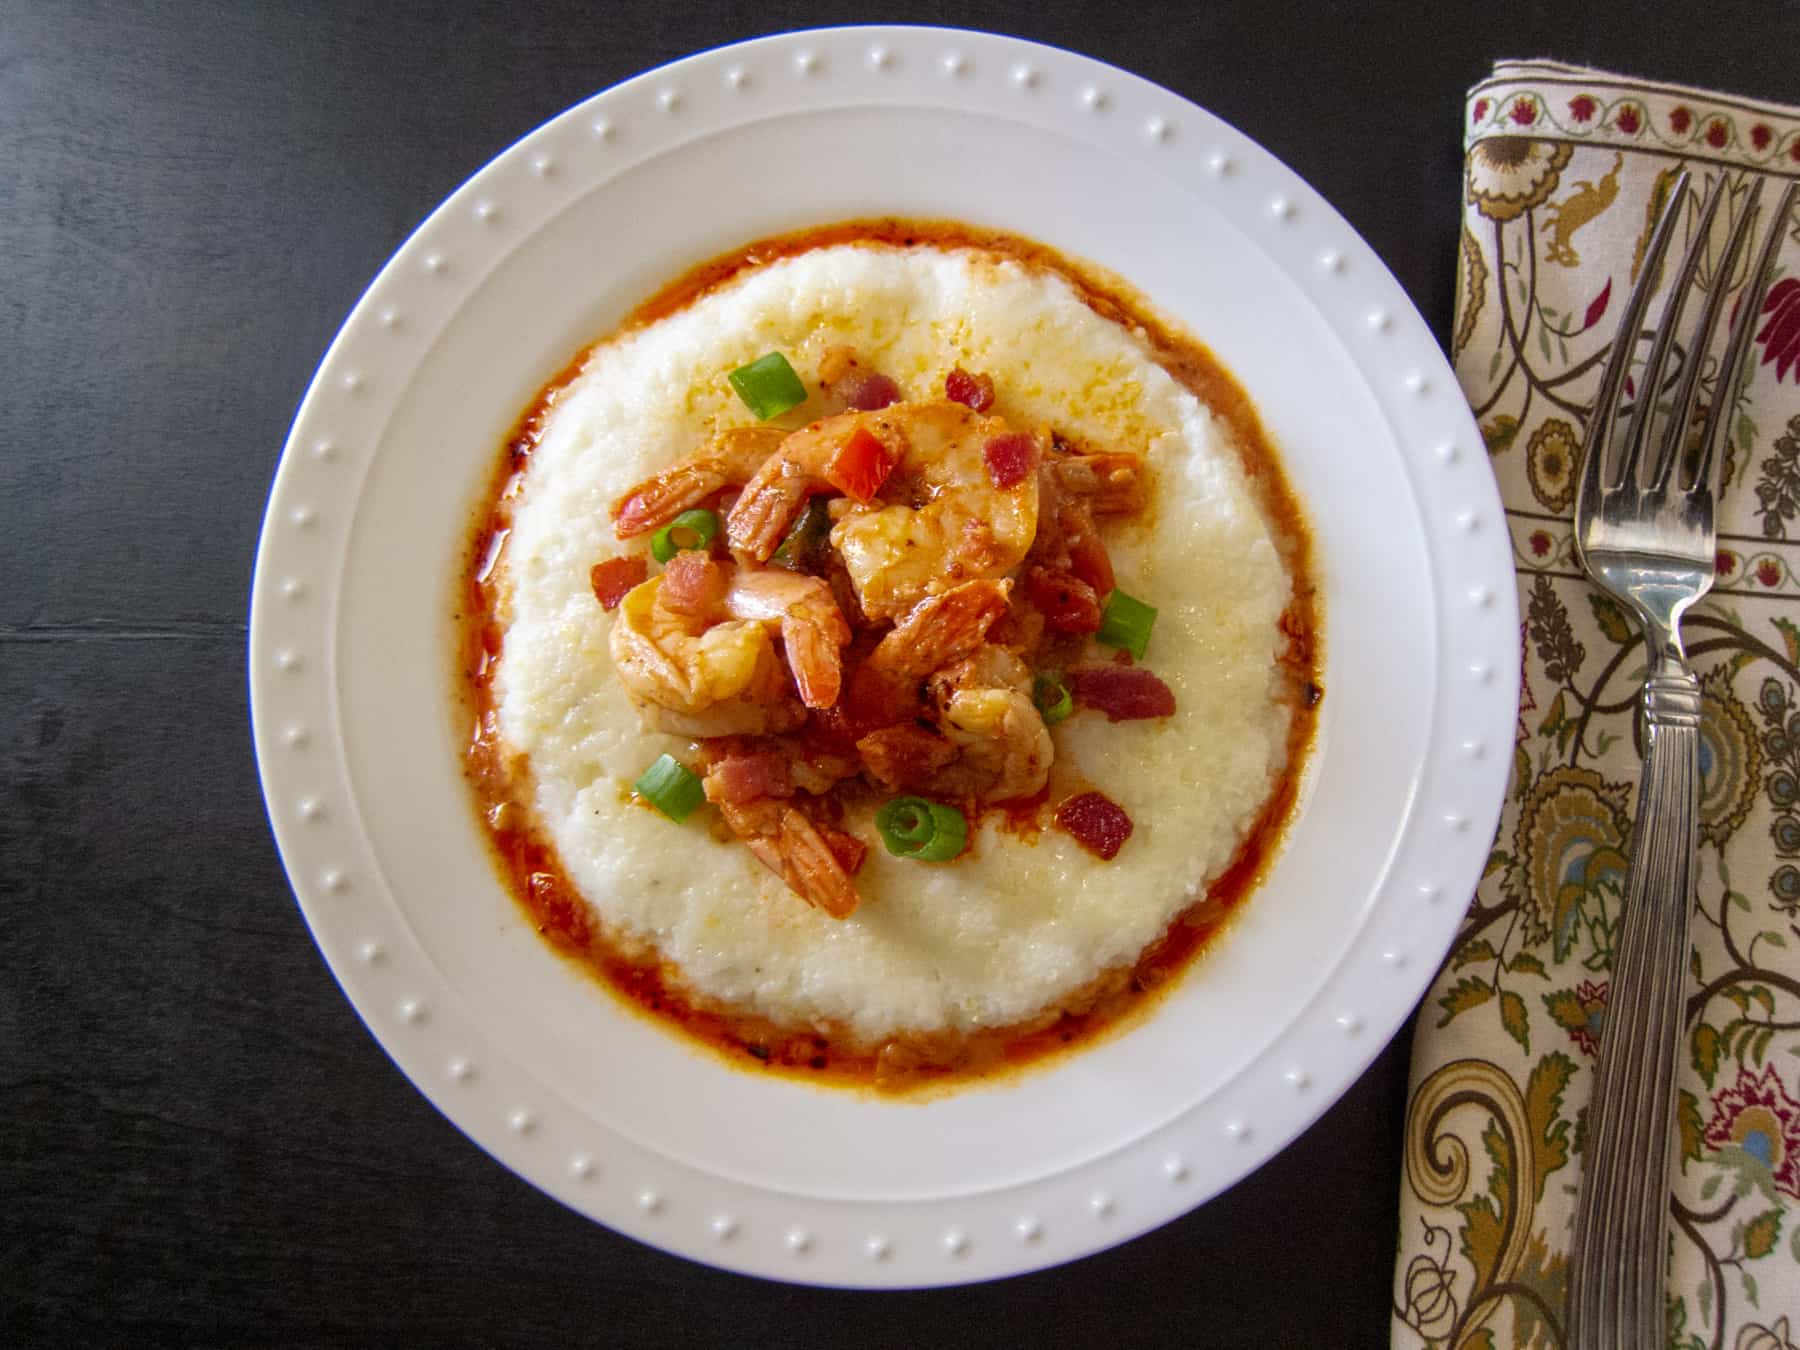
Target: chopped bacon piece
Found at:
904, 756
1123, 693
693, 584
1068, 603
870, 392
1009, 458
860, 466
613, 578
1089, 561
739, 778
972, 391
846, 848
1096, 822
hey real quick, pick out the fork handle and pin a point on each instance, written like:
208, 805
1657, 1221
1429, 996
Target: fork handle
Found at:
1620, 1252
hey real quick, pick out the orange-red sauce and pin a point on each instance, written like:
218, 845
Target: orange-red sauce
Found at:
528, 863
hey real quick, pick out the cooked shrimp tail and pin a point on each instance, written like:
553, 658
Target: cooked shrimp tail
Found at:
730, 458
768, 506
776, 495
813, 656
791, 845
812, 626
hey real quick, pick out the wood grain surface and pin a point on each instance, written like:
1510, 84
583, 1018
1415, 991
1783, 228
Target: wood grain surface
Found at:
199, 1143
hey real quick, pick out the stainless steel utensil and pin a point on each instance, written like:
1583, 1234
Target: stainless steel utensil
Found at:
1645, 536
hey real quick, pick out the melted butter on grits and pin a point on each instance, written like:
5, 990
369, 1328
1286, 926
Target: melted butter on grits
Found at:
1021, 922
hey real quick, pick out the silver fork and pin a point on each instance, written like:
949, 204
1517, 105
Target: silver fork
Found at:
1648, 541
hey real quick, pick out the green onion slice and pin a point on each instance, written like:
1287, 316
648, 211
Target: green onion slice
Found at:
768, 386
1050, 692
671, 788
912, 827
698, 526
1126, 623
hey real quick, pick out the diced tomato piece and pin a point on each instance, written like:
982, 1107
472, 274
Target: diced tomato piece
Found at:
1088, 560
861, 465
1096, 822
1123, 693
1067, 603
1009, 458
972, 391
615, 577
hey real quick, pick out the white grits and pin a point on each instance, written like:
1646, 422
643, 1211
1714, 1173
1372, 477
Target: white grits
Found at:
1013, 928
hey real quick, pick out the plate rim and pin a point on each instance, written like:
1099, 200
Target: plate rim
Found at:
292, 528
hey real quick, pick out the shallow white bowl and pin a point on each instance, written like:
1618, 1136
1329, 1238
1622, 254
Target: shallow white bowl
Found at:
548, 247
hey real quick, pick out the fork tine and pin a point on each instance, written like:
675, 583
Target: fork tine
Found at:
1682, 409
1612, 382
1644, 418
1738, 346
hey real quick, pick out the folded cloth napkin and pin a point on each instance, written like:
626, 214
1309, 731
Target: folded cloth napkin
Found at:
1566, 171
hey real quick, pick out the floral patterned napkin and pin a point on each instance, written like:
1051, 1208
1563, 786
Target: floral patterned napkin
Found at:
1567, 169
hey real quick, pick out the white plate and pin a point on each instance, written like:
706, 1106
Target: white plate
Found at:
549, 246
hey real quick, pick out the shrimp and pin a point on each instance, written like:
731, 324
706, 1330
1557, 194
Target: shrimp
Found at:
796, 849
813, 629
953, 525
698, 650
966, 529
990, 742
692, 677
941, 629
728, 459
1003, 750
772, 498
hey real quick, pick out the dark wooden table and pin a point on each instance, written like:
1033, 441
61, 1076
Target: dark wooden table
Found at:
199, 1143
